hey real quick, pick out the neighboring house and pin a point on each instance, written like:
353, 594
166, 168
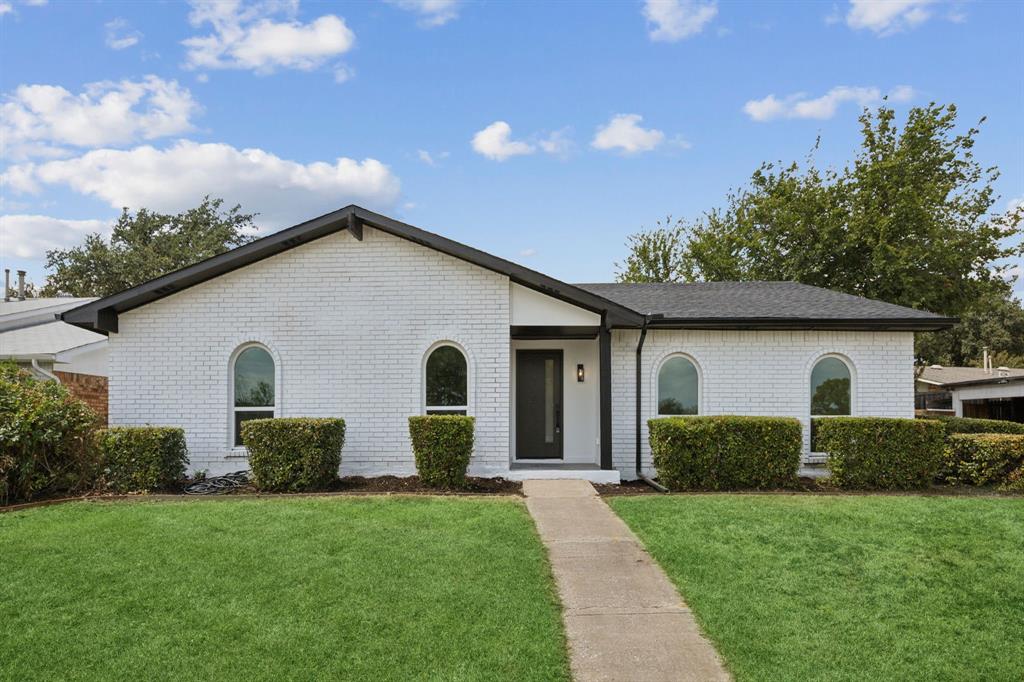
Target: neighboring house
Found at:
972, 392
33, 337
359, 316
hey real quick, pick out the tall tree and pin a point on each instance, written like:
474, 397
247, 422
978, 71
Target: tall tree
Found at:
655, 256
145, 245
908, 221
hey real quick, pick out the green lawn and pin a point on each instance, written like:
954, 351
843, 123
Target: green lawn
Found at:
847, 588
395, 588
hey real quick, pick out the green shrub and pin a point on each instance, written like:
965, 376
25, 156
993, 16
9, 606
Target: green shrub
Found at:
142, 458
45, 438
881, 453
982, 458
725, 452
970, 425
297, 454
1015, 481
442, 444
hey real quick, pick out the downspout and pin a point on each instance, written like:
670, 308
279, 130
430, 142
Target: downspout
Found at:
43, 372
639, 407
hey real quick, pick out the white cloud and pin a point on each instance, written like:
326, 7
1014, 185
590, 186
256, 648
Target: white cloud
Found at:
431, 12
528, 253
246, 37
495, 142
558, 143
886, 17
431, 159
121, 35
673, 20
31, 236
178, 177
623, 132
800, 106
6, 8
40, 119
343, 73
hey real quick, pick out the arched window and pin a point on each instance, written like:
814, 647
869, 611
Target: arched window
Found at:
254, 383
830, 388
446, 381
678, 387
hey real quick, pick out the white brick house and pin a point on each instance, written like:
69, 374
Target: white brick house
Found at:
359, 316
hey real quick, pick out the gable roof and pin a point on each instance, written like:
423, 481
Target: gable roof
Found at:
774, 305
101, 315
735, 305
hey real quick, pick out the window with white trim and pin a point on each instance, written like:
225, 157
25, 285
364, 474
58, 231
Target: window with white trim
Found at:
253, 381
678, 387
831, 388
446, 381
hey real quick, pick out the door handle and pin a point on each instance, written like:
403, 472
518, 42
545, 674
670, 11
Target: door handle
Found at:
558, 418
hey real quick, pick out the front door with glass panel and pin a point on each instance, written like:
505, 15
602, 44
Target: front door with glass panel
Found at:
539, 404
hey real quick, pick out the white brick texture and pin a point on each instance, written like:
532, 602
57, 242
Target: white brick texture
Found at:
349, 324
757, 373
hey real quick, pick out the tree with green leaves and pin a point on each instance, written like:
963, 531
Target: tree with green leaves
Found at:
145, 245
908, 221
656, 255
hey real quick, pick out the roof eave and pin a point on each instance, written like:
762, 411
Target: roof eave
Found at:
995, 380
102, 315
792, 323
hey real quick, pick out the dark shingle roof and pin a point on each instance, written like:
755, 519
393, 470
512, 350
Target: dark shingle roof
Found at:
760, 302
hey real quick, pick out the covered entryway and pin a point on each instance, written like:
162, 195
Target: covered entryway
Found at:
560, 398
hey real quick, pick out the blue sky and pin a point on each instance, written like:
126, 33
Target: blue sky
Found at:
541, 132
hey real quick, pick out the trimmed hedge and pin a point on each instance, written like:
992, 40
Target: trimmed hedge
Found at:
970, 425
142, 458
1015, 481
881, 453
45, 438
725, 452
982, 458
296, 454
442, 444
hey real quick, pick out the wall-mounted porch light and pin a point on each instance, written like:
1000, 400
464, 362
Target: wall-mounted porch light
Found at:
579, 373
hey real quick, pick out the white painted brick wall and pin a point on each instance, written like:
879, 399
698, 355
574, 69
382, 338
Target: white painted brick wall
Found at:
349, 323
757, 373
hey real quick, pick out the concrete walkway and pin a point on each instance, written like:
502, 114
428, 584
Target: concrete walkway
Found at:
623, 618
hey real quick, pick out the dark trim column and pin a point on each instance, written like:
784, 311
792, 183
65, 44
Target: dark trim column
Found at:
605, 352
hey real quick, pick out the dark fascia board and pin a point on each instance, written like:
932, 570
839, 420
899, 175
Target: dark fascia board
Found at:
526, 333
995, 380
907, 324
101, 315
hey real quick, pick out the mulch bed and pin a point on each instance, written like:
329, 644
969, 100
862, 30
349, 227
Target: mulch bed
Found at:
354, 485
412, 484
808, 486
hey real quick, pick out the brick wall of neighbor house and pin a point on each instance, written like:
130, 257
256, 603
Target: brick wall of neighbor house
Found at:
89, 388
349, 323
757, 373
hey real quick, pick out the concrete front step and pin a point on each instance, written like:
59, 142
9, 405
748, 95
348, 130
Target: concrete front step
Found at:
558, 473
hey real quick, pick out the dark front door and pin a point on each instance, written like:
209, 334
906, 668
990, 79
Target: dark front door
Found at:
539, 404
